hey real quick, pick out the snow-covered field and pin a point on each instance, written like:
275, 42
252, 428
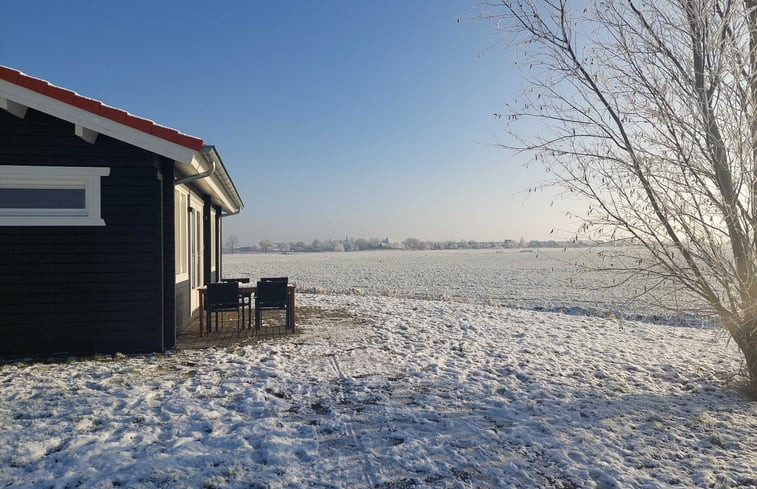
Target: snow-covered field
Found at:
547, 279
392, 392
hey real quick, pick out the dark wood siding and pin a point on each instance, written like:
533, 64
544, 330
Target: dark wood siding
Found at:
218, 244
86, 289
206, 240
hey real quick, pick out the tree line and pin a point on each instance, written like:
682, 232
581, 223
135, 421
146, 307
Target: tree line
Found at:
362, 244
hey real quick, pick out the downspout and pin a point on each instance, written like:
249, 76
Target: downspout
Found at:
198, 176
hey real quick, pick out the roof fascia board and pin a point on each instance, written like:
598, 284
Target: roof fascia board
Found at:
223, 177
217, 191
80, 117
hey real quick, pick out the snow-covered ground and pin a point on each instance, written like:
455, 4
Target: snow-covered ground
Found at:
547, 279
399, 392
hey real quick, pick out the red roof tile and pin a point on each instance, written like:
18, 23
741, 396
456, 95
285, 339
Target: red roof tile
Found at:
113, 114
189, 141
32, 83
164, 132
139, 124
88, 104
96, 107
66, 96
8, 74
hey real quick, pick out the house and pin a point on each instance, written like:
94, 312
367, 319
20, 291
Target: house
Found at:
108, 223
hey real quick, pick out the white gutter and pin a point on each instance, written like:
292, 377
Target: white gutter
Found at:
197, 176
210, 154
212, 178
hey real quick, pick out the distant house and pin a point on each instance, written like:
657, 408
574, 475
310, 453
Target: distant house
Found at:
392, 244
108, 223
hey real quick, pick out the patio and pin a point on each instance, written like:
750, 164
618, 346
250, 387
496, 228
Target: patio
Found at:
188, 338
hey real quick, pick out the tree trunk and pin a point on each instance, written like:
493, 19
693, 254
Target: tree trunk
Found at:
746, 339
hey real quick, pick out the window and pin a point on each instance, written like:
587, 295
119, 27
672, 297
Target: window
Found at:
50, 195
195, 243
181, 209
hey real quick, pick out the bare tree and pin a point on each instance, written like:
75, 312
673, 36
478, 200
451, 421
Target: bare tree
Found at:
266, 245
648, 109
231, 242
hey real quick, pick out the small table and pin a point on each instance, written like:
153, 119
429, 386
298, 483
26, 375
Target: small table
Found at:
246, 290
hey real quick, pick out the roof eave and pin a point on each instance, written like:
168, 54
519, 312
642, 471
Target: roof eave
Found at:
90, 117
94, 122
225, 180
217, 185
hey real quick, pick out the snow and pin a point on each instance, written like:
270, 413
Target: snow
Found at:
393, 392
549, 279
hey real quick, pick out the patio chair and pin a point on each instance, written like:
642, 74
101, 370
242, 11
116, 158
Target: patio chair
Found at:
275, 279
239, 280
245, 300
272, 294
221, 297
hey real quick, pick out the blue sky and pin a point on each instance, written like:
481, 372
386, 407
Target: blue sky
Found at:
334, 118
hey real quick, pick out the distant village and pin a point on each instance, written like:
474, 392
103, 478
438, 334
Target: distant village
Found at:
361, 244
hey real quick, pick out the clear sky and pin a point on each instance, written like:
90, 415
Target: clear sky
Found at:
333, 118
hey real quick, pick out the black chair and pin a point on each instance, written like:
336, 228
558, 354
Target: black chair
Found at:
275, 279
239, 280
272, 294
221, 297
245, 300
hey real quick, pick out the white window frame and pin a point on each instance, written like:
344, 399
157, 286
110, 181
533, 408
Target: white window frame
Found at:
54, 177
196, 275
181, 217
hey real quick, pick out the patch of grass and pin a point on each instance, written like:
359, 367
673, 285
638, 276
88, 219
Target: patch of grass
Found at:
717, 440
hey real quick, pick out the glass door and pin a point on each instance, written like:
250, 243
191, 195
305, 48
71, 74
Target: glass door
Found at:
194, 240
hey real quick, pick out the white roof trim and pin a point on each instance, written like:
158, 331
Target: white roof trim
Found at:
210, 185
80, 117
16, 99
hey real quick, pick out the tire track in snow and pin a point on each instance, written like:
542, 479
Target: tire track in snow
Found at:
369, 474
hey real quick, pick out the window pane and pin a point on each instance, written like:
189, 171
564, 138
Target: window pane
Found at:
42, 198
